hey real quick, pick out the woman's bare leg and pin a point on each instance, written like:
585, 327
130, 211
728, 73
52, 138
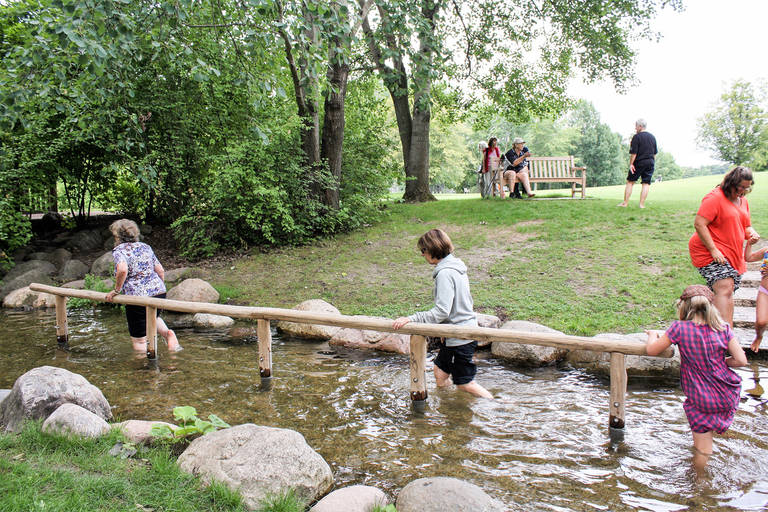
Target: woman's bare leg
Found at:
724, 298
139, 344
169, 335
509, 177
441, 378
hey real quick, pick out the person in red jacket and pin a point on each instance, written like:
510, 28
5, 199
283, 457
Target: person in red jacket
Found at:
722, 225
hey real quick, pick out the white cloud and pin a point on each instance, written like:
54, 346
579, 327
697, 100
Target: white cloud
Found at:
702, 50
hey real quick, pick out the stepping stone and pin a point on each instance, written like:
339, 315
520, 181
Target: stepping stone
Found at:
745, 297
751, 279
743, 317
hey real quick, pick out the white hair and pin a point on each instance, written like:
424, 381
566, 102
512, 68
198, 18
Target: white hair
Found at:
482, 145
641, 123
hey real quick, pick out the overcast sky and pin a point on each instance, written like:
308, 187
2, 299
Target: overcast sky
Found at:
702, 50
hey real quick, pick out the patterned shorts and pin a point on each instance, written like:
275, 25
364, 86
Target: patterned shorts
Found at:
717, 271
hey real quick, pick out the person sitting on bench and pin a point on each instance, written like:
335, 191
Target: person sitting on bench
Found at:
518, 168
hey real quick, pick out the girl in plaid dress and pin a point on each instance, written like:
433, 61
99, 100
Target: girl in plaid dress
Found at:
710, 386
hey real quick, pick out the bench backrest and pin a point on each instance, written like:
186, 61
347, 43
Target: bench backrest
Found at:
550, 166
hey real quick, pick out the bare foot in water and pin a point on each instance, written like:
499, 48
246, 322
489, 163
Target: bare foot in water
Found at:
173, 342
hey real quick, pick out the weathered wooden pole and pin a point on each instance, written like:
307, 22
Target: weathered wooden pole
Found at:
618, 395
62, 331
265, 349
418, 372
151, 332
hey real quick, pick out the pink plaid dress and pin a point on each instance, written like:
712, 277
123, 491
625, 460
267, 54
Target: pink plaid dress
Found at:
711, 388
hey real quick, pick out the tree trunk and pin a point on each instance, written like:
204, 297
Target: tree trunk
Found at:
417, 169
333, 130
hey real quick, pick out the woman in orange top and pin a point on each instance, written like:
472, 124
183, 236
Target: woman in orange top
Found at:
717, 247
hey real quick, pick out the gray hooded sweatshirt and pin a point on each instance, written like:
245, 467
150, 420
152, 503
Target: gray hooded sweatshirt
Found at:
453, 302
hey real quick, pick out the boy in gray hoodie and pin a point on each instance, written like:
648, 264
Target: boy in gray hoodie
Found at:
453, 305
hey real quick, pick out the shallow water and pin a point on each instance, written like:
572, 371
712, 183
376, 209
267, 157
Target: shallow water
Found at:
542, 445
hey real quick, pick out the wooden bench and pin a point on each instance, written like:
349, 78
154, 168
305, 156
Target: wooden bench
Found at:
557, 169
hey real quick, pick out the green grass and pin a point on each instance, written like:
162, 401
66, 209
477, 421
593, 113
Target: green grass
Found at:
45, 472
579, 266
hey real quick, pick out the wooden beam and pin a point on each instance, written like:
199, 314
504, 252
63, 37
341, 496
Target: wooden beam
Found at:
265, 348
418, 369
62, 330
624, 346
618, 390
151, 332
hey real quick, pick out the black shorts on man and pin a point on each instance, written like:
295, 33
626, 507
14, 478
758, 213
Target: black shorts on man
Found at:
457, 362
643, 171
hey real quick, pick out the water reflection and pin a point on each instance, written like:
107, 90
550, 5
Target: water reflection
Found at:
542, 445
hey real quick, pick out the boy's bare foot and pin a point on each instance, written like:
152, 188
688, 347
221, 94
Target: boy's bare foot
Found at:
641, 206
622, 205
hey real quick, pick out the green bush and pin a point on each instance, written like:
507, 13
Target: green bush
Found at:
95, 284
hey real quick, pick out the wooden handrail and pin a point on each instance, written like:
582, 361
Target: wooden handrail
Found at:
563, 341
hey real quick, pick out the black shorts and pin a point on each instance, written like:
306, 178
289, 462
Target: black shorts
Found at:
137, 318
643, 170
457, 361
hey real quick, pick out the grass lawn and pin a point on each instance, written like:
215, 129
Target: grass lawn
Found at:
579, 266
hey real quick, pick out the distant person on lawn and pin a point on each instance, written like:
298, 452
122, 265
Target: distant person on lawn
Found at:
721, 225
453, 305
642, 159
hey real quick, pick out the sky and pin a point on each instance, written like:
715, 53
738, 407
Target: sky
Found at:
703, 49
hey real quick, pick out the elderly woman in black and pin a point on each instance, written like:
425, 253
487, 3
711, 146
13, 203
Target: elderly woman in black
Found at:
138, 272
518, 169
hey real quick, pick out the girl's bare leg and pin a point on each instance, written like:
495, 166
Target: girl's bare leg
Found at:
702, 449
761, 315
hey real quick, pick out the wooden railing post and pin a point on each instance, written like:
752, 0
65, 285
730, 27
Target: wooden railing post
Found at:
418, 371
618, 394
62, 331
265, 349
151, 332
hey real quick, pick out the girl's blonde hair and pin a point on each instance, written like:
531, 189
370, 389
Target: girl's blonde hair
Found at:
699, 307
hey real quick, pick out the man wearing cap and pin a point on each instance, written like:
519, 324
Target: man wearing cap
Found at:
518, 168
642, 158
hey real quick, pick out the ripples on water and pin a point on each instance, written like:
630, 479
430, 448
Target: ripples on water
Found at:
542, 445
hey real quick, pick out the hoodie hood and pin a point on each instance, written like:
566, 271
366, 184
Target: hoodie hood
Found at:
451, 262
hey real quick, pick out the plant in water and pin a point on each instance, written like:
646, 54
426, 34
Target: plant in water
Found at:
190, 426
384, 508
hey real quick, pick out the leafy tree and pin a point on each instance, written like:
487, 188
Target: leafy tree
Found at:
493, 49
596, 146
666, 168
736, 129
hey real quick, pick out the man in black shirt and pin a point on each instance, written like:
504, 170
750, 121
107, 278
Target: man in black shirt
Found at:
642, 156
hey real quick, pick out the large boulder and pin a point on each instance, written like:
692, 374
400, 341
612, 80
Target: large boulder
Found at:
193, 290
72, 419
59, 257
532, 356
26, 298
21, 298
637, 366
86, 240
318, 332
40, 391
175, 275
384, 341
104, 265
490, 321
258, 461
208, 321
445, 494
38, 275
355, 498
4, 393
25, 266
139, 431
73, 269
